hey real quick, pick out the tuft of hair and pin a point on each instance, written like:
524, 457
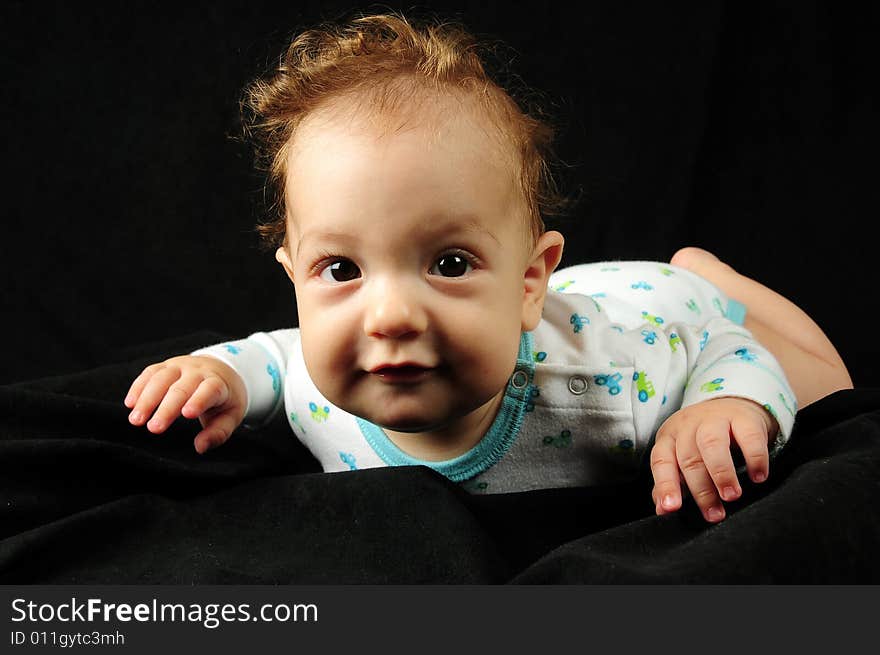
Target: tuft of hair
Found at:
391, 62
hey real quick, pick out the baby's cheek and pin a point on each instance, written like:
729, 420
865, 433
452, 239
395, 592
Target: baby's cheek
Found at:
492, 361
327, 365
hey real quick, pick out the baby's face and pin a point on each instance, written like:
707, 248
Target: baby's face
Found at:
409, 255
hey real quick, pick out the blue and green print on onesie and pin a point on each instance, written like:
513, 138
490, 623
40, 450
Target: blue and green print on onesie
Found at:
786, 405
294, 418
712, 385
644, 385
532, 393
319, 414
475, 485
561, 440
746, 355
624, 447
348, 458
233, 350
656, 320
610, 380
578, 322
275, 374
641, 284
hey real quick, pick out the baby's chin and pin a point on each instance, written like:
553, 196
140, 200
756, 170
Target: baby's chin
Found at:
407, 424
423, 410
409, 427
410, 420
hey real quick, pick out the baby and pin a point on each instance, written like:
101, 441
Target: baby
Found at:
432, 327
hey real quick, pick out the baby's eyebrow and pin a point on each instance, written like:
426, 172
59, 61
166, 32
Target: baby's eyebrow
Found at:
434, 227
325, 235
442, 226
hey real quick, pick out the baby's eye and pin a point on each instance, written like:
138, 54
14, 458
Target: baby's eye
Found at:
341, 270
451, 265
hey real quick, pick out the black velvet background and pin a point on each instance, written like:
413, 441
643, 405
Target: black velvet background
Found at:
128, 214
128, 207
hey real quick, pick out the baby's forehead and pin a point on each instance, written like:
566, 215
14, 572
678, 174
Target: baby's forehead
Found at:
444, 119
339, 137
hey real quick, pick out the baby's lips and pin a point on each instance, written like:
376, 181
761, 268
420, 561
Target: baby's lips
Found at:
405, 372
399, 366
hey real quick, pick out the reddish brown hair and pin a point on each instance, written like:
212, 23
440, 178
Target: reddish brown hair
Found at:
388, 62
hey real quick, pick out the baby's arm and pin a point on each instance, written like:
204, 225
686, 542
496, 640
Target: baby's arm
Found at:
222, 385
736, 393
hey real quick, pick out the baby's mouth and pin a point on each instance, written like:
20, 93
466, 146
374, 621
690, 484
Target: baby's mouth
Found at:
406, 373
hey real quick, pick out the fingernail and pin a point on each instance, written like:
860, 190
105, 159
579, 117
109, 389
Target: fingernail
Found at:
134, 417
729, 493
715, 514
155, 424
668, 501
760, 476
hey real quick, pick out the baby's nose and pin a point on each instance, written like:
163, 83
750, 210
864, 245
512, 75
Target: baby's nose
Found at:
394, 311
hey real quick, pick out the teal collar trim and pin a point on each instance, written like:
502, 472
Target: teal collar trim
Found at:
494, 444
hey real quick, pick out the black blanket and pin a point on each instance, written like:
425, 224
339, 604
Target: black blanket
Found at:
87, 498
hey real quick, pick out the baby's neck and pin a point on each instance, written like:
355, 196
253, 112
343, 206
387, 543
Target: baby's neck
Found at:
450, 440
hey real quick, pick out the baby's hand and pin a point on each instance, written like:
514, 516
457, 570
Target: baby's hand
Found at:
696, 440
192, 386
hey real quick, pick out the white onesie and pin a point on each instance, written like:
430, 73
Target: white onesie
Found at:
620, 347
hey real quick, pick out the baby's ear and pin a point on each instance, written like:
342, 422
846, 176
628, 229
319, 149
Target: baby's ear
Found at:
282, 256
545, 258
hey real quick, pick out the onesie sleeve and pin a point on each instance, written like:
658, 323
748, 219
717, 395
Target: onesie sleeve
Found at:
261, 362
724, 360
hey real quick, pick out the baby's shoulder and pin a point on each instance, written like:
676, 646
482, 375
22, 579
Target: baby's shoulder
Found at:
572, 325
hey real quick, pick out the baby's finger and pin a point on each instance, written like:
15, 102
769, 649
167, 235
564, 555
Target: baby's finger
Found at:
152, 394
217, 429
664, 468
713, 441
212, 392
698, 480
751, 435
134, 391
175, 398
